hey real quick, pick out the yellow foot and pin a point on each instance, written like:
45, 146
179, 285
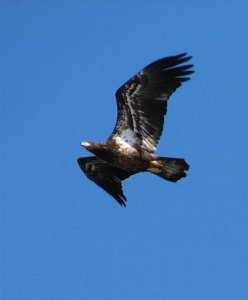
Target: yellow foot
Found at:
154, 167
153, 170
155, 163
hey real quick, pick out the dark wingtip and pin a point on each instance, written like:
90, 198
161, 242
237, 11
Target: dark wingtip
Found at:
123, 204
169, 62
121, 200
183, 57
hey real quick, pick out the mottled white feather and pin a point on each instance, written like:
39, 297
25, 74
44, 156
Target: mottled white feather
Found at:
125, 139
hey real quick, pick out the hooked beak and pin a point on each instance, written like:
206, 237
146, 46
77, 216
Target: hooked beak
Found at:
85, 144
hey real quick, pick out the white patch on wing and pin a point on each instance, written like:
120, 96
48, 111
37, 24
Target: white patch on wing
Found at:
126, 139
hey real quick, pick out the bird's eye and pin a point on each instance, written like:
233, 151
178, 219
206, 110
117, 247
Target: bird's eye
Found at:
89, 167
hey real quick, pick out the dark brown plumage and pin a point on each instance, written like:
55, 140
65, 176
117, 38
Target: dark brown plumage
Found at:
142, 104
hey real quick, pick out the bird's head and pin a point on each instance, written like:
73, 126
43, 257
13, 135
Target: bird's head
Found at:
87, 145
96, 148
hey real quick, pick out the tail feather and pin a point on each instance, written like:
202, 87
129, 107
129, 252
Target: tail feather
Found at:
171, 169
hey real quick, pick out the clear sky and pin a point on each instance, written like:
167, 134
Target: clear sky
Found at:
64, 238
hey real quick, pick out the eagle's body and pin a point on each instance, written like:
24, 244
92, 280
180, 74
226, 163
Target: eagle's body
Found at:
142, 104
129, 159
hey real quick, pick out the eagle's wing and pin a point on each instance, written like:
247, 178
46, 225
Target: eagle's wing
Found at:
105, 175
142, 102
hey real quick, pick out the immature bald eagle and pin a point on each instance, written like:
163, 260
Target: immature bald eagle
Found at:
142, 104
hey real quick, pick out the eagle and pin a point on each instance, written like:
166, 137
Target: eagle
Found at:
142, 105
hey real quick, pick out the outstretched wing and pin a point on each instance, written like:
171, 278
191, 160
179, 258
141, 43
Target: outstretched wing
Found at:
105, 175
142, 102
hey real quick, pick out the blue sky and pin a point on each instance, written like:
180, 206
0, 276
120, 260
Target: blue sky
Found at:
64, 238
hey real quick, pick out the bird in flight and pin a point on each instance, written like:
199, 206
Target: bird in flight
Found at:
142, 105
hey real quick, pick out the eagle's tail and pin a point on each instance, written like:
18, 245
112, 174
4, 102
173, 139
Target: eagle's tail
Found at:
171, 169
